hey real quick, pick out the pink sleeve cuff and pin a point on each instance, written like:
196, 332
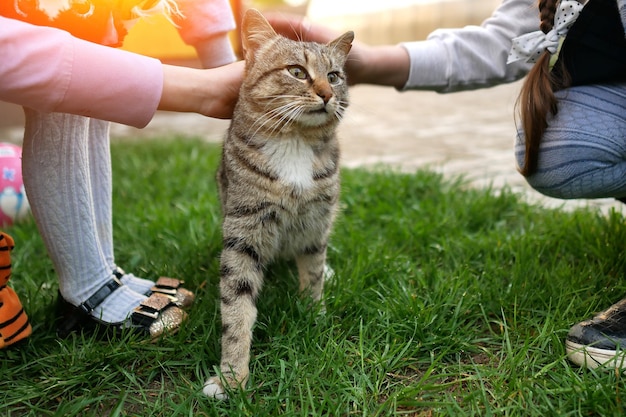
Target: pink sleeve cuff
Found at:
203, 19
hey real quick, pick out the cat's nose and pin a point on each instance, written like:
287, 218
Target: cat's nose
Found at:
324, 92
325, 95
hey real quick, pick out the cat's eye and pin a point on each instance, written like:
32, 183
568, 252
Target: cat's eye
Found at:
298, 72
333, 77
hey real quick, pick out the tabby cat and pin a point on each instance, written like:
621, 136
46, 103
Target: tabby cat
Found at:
278, 179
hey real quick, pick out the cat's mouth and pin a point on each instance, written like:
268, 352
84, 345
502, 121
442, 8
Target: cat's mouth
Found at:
316, 116
321, 110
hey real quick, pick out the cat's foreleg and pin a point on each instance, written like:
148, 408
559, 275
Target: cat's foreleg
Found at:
311, 271
240, 283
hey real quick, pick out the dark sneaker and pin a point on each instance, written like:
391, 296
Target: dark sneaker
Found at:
600, 341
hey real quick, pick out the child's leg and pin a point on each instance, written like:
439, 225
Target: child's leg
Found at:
583, 155
583, 152
101, 186
57, 177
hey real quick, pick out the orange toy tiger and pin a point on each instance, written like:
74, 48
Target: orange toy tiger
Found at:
14, 325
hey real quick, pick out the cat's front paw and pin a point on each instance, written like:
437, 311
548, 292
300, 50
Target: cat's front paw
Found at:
213, 388
329, 273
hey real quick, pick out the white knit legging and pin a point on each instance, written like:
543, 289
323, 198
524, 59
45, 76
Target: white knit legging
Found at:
67, 174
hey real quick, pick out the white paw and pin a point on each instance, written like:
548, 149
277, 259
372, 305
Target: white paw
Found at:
214, 389
329, 273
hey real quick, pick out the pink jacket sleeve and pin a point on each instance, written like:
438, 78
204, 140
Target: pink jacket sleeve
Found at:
49, 70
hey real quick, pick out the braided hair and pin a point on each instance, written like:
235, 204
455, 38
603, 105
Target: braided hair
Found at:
536, 100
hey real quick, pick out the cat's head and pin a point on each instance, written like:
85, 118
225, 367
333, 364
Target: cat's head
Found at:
291, 84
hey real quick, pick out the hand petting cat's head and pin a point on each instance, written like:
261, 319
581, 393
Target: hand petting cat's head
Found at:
293, 83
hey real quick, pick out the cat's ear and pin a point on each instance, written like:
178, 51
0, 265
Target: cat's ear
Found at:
343, 43
256, 31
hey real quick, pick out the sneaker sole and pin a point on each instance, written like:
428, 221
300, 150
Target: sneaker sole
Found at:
590, 357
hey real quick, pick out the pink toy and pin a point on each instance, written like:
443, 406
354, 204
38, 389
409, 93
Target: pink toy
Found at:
13, 202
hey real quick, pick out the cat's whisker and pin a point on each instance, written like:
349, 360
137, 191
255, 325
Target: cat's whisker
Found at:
285, 120
285, 117
281, 113
274, 118
342, 106
259, 124
288, 112
299, 33
276, 125
274, 111
294, 115
281, 96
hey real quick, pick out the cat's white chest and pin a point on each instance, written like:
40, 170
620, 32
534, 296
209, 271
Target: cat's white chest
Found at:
292, 161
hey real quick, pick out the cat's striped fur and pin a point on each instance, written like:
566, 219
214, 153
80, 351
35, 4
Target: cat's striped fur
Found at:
278, 178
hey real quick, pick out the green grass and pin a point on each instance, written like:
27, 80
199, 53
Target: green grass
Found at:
446, 301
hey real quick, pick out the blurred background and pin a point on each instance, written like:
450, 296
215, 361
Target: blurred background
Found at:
374, 22
467, 134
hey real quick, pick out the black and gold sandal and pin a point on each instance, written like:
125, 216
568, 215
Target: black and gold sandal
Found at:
155, 316
170, 287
